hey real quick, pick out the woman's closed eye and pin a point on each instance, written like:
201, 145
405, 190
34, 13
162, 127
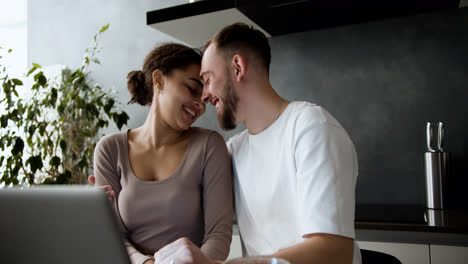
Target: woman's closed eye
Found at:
195, 91
191, 89
195, 86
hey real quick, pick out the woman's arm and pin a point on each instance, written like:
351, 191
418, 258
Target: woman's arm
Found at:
217, 199
105, 165
107, 177
136, 257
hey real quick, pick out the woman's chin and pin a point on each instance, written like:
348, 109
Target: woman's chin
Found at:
185, 125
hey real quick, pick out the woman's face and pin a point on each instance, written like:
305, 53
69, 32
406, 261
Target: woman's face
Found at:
179, 97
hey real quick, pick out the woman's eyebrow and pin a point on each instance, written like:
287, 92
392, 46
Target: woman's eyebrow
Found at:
197, 81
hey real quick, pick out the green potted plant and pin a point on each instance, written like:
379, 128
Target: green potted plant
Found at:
49, 136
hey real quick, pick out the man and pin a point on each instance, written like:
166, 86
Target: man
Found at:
295, 167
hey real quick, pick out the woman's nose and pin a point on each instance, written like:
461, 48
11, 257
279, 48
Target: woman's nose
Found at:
200, 105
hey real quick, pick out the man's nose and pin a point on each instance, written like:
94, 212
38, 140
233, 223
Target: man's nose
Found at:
206, 96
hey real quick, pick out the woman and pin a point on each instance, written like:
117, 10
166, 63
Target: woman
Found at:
170, 180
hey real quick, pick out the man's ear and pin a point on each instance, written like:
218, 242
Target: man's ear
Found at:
240, 66
158, 81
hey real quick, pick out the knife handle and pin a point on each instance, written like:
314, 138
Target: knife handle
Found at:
440, 137
429, 137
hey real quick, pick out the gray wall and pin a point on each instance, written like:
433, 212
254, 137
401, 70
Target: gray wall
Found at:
381, 80
60, 31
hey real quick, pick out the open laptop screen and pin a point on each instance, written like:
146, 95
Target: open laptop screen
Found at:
59, 224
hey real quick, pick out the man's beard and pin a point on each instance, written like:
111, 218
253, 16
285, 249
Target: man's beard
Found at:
227, 119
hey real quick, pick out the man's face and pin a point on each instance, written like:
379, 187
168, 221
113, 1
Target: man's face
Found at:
218, 87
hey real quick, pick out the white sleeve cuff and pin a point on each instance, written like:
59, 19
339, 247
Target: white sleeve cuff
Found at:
138, 258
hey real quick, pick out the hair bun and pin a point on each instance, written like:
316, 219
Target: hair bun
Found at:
136, 87
138, 76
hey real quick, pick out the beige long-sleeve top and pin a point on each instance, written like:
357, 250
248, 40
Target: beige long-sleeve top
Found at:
195, 202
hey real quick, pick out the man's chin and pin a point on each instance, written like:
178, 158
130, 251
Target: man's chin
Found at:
228, 128
226, 123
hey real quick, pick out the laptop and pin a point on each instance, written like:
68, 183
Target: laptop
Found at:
59, 224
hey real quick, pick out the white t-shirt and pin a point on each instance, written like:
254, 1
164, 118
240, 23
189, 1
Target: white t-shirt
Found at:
296, 177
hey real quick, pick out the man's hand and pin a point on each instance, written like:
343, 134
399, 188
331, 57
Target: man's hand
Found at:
319, 248
182, 251
107, 188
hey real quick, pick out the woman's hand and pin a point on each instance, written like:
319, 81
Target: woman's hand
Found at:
107, 188
181, 251
149, 261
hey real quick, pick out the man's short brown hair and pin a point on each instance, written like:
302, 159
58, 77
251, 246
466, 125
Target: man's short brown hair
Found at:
239, 36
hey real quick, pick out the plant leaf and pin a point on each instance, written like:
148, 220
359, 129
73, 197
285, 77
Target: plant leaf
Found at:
42, 129
18, 147
42, 80
50, 143
64, 177
4, 121
61, 108
55, 161
101, 123
83, 162
109, 105
31, 71
29, 141
122, 119
35, 163
14, 173
49, 181
17, 82
63, 144
31, 129
104, 28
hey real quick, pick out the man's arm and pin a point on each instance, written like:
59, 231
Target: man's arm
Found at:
326, 165
319, 248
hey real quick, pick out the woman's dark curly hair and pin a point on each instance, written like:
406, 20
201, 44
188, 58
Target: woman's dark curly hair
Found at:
166, 57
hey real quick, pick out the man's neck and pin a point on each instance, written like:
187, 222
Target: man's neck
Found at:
260, 108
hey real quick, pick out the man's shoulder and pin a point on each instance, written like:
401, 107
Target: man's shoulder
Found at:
306, 113
237, 139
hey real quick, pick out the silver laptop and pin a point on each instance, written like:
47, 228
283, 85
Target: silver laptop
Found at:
61, 224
